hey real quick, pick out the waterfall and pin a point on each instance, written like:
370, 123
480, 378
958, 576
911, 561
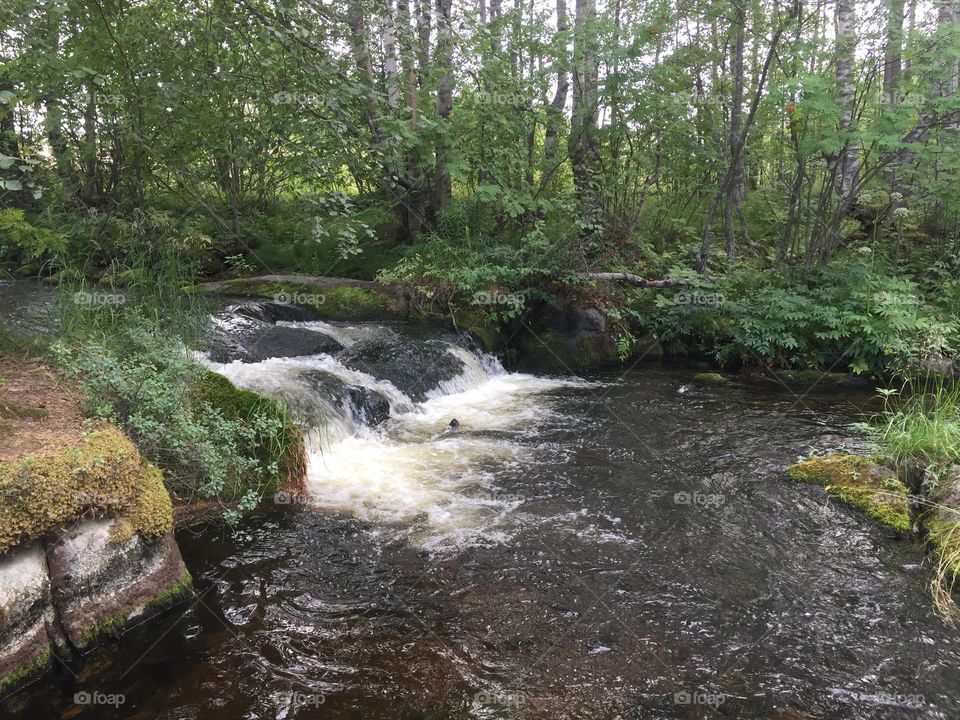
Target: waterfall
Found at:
376, 409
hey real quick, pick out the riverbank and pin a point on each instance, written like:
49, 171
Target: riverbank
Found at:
86, 543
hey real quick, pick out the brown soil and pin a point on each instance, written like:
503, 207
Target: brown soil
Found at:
38, 409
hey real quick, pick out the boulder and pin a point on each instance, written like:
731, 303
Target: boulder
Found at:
413, 368
366, 406
102, 585
860, 483
239, 337
26, 617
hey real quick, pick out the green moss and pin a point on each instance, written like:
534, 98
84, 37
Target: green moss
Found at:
709, 378
285, 446
336, 303
174, 594
859, 482
105, 474
26, 672
350, 302
110, 626
481, 326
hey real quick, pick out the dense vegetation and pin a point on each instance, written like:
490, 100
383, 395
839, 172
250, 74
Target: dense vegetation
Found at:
804, 155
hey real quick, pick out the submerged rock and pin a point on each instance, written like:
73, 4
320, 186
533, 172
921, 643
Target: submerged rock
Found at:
710, 378
240, 338
861, 483
367, 406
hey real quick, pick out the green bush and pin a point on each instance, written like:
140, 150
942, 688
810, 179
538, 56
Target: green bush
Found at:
210, 443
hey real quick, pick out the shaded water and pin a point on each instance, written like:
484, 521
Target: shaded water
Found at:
581, 548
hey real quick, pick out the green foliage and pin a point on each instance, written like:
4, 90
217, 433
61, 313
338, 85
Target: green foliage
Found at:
24, 242
849, 314
149, 387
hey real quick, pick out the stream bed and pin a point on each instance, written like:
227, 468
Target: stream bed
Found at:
623, 544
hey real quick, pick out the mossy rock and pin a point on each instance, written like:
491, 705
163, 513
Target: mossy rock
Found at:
480, 326
330, 298
25, 673
710, 378
860, 482
286, 446
105, 474
552, 351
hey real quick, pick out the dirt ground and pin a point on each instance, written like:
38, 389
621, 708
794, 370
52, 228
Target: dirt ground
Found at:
38, 409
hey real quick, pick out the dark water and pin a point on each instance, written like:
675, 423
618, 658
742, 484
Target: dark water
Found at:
651, 561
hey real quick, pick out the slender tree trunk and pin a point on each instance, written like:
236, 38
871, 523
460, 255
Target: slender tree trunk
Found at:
846, 48
893, 52
555, 110
735, 188
584, 147
442, 189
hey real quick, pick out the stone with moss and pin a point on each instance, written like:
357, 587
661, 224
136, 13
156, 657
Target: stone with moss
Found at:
25, 673
105, 474
331, 298
710, 378
481, 326
861, 483
285, 446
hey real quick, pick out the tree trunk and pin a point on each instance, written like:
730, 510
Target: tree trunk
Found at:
846, 47
557, 105
893, 52
583, 144
442, 188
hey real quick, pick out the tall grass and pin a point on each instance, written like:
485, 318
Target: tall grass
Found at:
919, 433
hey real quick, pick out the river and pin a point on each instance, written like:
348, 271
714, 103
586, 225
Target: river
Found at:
622, 544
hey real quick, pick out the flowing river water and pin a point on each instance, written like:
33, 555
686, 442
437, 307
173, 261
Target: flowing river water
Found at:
619, 545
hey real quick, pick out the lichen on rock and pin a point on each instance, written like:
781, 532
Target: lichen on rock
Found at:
861, 483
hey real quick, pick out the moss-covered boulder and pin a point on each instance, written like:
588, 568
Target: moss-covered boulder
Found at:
861, 483
481, 326
331, 298
280, 442
86, 547
105, 474
553, 351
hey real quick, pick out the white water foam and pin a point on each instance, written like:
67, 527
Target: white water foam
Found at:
411, 472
